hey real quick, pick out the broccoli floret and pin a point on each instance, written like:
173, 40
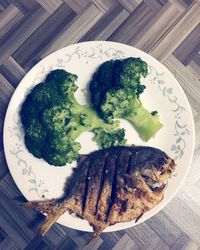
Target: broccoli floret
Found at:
121, 97
53, 119
60, 142
57, 91
102, 81
129, 72
56, 118
28, 111
61, 149
35, 136
117, 74
64, 82
63, 143
34, 147
35, 130
60, 76
45, 94
68, 88
54, 158
105, 138
118, 103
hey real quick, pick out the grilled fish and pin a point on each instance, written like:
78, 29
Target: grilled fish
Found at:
118, 184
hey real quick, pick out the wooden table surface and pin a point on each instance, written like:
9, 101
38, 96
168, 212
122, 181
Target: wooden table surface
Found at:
169, 31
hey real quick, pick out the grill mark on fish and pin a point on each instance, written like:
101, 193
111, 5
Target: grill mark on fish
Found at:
113, 188
123, 162
102, 179
106, 189
86, 190
79, 196
118, 171
130, 162
93, 184
119, 205
76, 179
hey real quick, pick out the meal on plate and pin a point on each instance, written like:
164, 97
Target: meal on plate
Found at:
113, 185
53, 119
118, 183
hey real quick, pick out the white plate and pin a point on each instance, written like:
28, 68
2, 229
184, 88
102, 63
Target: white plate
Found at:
36, 179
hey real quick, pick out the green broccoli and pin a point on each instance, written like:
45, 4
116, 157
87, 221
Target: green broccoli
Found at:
106, 139
45, 94
35, 130
61, 149
120, 97
129, 71
56, 118
53, 119
28, 111
33, 146
102, 81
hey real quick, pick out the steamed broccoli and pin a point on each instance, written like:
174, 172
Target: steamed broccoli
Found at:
56, 118
115, 90
106, 139
61, 149
33, 146
129, 71
53, 119
102, 81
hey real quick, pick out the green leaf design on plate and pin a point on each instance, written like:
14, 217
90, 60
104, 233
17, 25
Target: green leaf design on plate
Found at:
180, 125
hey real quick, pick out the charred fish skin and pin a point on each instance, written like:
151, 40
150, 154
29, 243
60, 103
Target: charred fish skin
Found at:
121, 166
97, 219
93, 180
113, 185
75, 188
105, 192
120, 208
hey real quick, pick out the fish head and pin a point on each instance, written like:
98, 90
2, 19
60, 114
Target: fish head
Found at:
157, 171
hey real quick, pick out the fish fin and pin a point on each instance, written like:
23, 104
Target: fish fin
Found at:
48, 223
41, 206
97, 231
52, 210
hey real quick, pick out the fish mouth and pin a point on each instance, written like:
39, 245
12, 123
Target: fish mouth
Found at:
154, 185
155, 178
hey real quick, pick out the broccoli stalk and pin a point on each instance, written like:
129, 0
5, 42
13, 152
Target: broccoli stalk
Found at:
119, 96
144, 122
89, 118
123, 103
